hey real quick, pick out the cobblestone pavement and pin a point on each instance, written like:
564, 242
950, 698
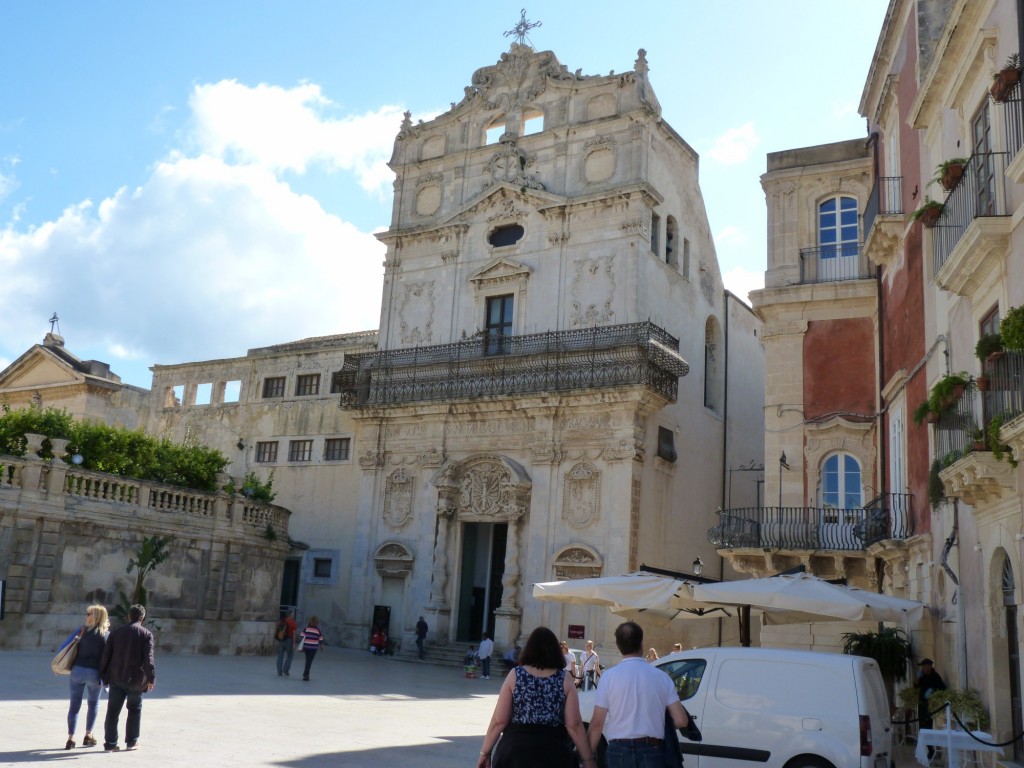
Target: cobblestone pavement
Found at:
357, 711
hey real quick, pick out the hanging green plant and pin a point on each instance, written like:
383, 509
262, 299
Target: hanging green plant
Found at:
1000, 451
987, 345
1011, 329
936, 489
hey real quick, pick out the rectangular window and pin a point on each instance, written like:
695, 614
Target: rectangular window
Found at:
337, 448
273, 386
336, 383
322, 567
499, 323
656, 234
300, 450
266, 452
232, 391
204, 392
982, 162
308, 384
686, 258
666, 444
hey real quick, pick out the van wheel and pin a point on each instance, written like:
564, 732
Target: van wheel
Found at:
809, 761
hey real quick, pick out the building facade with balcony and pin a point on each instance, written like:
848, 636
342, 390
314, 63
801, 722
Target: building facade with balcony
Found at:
551, 396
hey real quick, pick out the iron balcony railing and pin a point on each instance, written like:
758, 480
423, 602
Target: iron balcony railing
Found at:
888, 516
1013, 121
886, 199
958, 427
556, 361
832, 263
1005, 396
980, 192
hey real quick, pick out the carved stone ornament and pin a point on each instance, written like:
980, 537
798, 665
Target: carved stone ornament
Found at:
393, 559
620, 451
431, 458
399, 493
507, 210
548, 453
581, 502
593, 290
509, 164
371, 460
636, 226
577, 561
416, 312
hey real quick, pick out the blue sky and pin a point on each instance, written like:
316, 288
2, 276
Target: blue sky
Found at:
184, 181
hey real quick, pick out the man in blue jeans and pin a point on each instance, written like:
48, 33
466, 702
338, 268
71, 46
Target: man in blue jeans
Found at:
630, 705
127, 667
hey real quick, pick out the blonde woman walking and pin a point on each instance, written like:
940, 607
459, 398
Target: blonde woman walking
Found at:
85, 673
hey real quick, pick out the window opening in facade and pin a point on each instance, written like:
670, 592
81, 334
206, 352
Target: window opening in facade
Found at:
322, 567
989, 324
713, 369
300, 450
204, 393
495, 130
336, 383
510, 234
499, 323
671, 240
656, 234
232, 391
178, 393
533, 122
337, 448
308, 384
841, 482
685, 268
838, 231
266, 452
666, 444
273, 386
981, 144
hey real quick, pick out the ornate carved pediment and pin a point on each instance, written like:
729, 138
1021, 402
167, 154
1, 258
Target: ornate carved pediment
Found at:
500, 271
484, 487
511, 164
577, 561
393, 559
839, 434
501, 200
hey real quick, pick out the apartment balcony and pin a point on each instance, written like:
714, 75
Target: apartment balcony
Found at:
1005, 399
834, 263
1013, 129
884, 220
635, 354
970, 471
973, 232
888, 516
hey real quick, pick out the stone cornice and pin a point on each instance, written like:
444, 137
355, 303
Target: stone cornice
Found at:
978, 478
978, 257
818, 301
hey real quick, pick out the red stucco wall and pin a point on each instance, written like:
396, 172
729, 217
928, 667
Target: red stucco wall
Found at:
839, 369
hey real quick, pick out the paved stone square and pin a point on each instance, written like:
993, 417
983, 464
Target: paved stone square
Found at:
357, 711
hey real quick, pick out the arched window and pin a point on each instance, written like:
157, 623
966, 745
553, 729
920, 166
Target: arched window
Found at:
841, 486
838, 230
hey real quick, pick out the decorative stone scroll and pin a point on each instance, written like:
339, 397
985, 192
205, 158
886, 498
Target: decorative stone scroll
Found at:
399, 492
577, 561
581, 502
393, 559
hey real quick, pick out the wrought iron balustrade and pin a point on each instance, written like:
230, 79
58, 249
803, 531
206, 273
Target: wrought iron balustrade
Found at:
957, 427
886, 199
556, 361
832, 263
980, 192
1013, 121
888, 516
1005, 396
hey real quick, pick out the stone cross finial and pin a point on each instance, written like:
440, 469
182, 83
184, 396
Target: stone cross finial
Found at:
406, 120
519, 30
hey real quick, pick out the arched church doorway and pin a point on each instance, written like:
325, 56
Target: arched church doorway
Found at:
480, 590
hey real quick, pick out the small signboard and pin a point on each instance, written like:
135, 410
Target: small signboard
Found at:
577, 631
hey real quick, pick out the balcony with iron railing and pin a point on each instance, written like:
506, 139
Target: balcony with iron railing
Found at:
974, 227
834, 263
1013, 125
886, 517
556, 361
883, 220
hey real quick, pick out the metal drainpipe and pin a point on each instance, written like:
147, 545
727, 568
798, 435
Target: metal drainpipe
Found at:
961, 619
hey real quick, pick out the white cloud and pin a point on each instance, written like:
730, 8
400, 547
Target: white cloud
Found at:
8, 181
742, 281
291, 129
731, 235
735, 145
202, 261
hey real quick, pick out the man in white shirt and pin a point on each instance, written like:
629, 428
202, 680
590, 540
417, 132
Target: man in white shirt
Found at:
591, 666
484, 652
630, 704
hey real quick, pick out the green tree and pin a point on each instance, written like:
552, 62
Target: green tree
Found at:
152, 552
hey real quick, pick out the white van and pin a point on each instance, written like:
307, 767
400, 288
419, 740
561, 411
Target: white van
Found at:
779, 709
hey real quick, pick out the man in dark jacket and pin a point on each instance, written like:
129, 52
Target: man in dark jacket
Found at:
127, 667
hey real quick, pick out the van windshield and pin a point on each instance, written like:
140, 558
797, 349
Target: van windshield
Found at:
686, 674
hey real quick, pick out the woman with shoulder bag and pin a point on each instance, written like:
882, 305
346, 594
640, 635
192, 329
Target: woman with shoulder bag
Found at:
85, 673
310, 641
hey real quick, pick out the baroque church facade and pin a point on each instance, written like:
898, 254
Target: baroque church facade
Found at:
560, 385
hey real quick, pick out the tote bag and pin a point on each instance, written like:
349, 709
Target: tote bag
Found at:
65, 658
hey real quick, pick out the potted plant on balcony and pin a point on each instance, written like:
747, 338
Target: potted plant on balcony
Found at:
949, 172
1011, 329
1006, 78
929, 212
988, 349
943, 396
978, 439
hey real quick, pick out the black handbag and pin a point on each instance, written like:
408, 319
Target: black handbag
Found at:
691, 731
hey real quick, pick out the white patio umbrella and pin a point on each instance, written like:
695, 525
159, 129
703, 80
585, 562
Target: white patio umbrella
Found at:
800, 597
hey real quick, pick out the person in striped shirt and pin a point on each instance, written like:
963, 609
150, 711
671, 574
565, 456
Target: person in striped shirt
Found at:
310, 641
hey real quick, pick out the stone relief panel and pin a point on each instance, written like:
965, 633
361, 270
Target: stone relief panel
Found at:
399, 492
416, 312
428, 200
599, 165
577, 561
487, 488
581, 502
593, 290
393, 559
602, 105
432, 147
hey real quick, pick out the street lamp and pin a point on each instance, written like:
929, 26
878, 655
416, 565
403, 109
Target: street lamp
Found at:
698, 567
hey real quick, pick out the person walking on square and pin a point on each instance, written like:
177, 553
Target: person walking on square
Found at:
928, 682
127, 666
85, 672
484, 652
537, 718
284, 634
421, 635
630, 705
311, 640
591, 666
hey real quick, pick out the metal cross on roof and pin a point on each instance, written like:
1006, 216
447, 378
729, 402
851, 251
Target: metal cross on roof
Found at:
520, 29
